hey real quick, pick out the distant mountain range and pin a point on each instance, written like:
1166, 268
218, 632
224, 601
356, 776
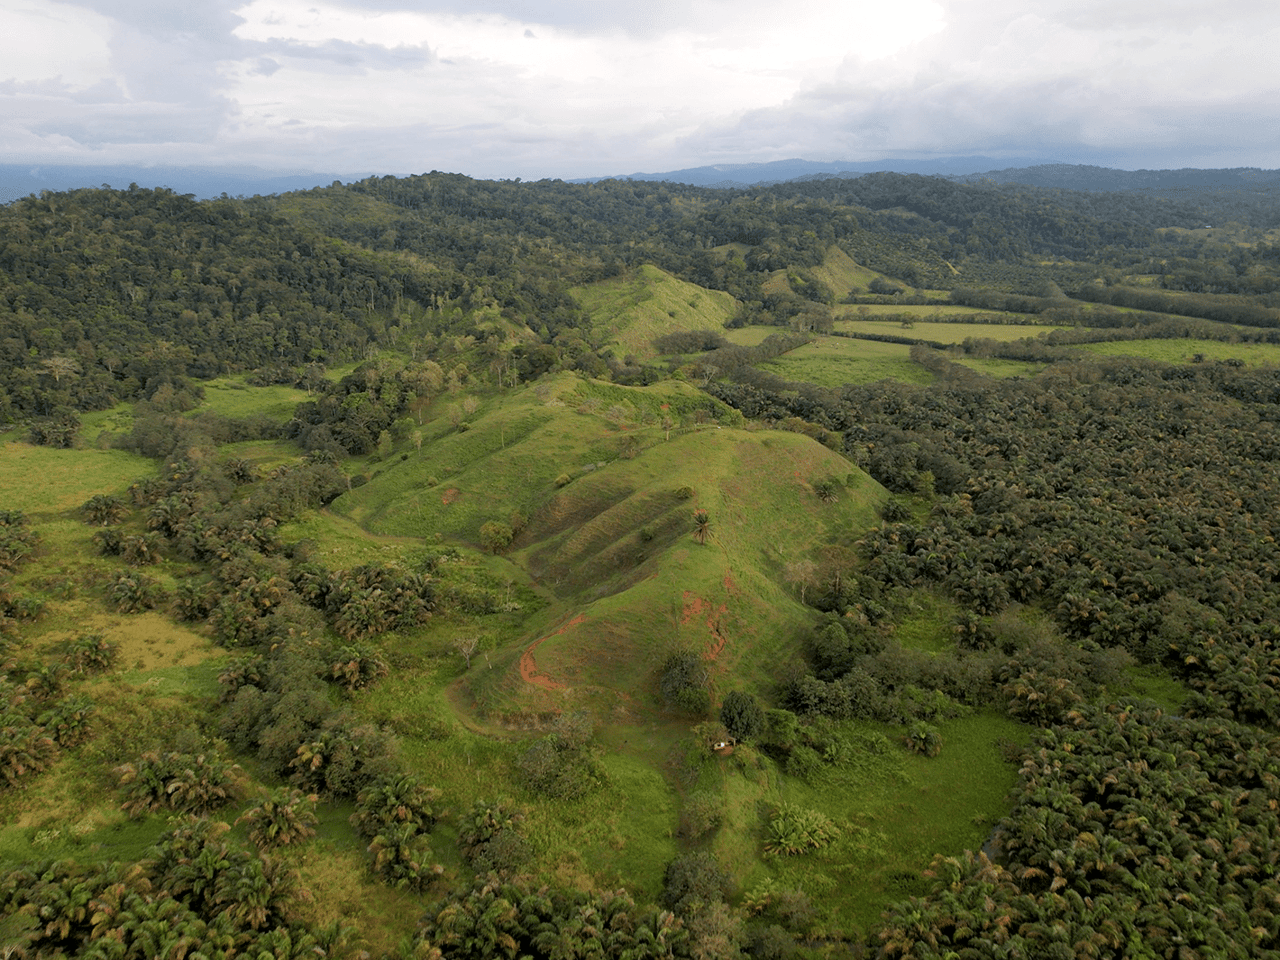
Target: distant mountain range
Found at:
20, 180
965, 170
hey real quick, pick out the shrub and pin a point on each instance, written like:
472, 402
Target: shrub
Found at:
923, 738
793, 830
563, 480
703, 812
894, 511
490, 836
91, 653
496, 536
135, 592
693, 882
397, 799
284, 817
684, 682
186, 783
742, 715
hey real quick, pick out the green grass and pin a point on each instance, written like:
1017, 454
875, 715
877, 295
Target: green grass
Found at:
1001, 369
837, 361
1181, 351
896, 810
234, 398
628, 312
942, 332
751, 336
42, 481
926, 311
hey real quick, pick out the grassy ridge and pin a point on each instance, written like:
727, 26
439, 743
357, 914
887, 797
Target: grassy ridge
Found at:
627, 313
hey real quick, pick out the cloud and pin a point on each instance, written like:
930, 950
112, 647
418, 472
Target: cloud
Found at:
581, 87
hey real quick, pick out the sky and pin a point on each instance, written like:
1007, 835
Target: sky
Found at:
577, 88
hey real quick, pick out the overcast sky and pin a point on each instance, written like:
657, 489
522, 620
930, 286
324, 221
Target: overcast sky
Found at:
572, 88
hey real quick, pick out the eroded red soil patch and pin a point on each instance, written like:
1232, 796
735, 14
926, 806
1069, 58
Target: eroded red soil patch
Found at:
450, 495
529, 665
695, 607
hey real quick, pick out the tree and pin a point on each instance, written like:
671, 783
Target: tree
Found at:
742, 715
283, 817
467, 646
701, 525
496, 536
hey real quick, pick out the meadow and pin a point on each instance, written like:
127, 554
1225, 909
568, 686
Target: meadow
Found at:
836, 361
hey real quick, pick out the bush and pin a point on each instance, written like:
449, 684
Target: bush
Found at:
186, 783
923, 738
496, 536
693, 882
793, 830
684, 682
742, 715
284, 817
703, 812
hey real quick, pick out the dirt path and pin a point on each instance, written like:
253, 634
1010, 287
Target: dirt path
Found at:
529, 666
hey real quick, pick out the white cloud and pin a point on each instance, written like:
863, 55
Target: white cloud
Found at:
46, 41
579, 87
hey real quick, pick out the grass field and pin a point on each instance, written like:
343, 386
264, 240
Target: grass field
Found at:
925, 311
945, 332
1182, 351
1001, 368
234, 398
836, 361
627, 313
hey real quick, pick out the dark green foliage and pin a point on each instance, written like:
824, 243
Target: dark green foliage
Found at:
181, 782
283, 817
683, 683
693, 882
509, 918
742, 715
923, 738
561, 764
491, 838
395, 800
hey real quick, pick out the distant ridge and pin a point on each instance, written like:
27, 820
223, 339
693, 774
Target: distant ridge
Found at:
731, 175
1065, 176
21, 180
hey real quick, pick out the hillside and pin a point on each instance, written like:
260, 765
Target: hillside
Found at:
431, 567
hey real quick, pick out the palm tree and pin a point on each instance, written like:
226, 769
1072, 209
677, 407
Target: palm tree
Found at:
701, 525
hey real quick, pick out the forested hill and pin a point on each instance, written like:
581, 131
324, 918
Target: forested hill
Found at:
109, 294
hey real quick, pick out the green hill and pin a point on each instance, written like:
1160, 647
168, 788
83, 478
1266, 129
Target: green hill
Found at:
627, 313
606, 479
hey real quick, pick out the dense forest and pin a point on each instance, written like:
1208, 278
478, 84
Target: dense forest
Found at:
1098, 529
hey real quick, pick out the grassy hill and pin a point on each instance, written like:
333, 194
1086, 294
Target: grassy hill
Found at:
628, 312
604, 481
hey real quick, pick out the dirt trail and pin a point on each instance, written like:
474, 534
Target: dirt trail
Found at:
529, 666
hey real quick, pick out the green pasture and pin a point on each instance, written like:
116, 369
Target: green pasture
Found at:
628, 313
1001, 369
837, 361
235, 398
936, 312
42, 481
752, 336
842, 274
1184, 351
944, 332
